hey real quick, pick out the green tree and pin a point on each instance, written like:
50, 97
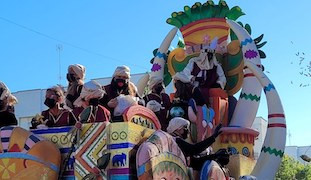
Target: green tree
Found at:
304, 173
290, 169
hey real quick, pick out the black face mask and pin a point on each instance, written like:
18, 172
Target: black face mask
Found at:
120, 83
94, 102
185, 134
50, 102
71, 77
158, 89
210, 56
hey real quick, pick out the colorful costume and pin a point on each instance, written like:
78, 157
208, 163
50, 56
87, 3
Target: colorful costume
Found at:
120, 84
75, 77
64, 118
89, 99
203, 71
164, 101
158, 101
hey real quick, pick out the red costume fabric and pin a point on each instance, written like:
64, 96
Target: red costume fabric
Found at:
65, 118
99, 114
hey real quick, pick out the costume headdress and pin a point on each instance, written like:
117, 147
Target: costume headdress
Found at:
203, 25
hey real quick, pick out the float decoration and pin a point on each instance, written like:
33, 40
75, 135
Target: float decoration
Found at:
205, 22
205, 11
124, 139
137, 148
142, 116
201, 24
106, 150
160, 157
27, 156
167, 78
59, 137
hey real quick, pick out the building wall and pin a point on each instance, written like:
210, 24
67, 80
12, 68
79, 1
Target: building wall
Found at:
30, 103
260, 124
292, 151
296, 151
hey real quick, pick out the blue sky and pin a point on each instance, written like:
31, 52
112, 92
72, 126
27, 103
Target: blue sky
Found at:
102, 35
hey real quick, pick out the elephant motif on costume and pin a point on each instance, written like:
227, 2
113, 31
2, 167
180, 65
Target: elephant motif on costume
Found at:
119, 160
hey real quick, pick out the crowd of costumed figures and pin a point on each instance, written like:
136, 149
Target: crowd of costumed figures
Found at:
127, 131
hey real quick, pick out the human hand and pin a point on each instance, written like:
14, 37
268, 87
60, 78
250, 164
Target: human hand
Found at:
113, 103
192, 79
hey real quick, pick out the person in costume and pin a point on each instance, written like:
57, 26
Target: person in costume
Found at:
75, 77
89, 100
186, 94
179, 128
120, 84
7, 101
158, 101
203, 71
56, 115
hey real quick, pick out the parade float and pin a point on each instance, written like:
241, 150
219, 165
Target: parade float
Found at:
137, 148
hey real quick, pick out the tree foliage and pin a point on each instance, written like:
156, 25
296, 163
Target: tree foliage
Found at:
291, 169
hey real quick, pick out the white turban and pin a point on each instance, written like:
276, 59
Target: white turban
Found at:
124, 101
5, 94
89, 91
78, 70
154, 80
177, 123
58, 90
122, 71
154, 106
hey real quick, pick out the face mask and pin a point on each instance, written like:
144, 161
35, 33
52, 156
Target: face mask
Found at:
50, 102
210, 56
120, 82
185, 134
71, 77
158, 89
94, 102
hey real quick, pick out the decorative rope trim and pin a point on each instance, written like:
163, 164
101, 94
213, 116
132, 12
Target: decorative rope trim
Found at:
268, 88
161, 55
276, 115
249, 75
272, 125
246, 41
250, 97
272, 151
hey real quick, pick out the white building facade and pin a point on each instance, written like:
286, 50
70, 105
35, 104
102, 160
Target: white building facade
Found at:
260, 125
296, 151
